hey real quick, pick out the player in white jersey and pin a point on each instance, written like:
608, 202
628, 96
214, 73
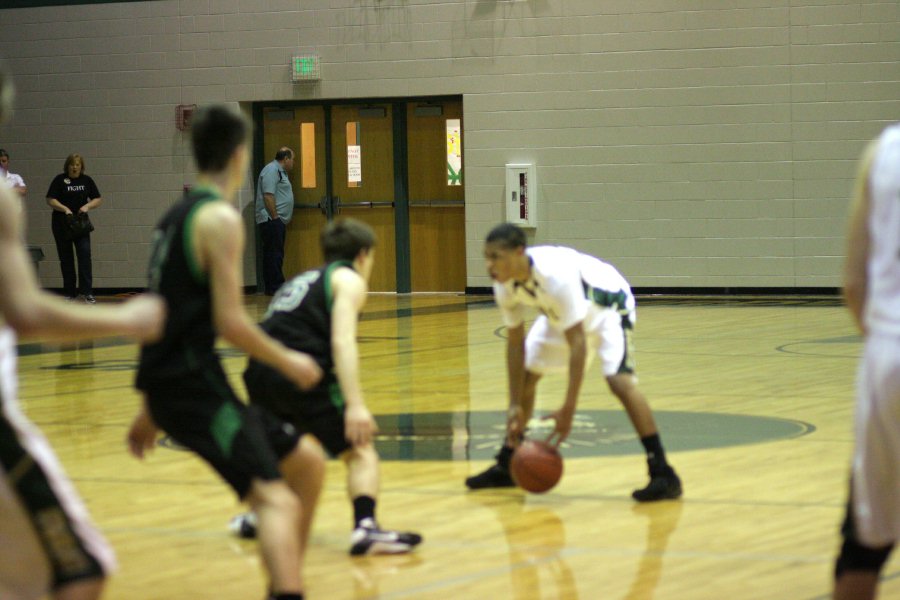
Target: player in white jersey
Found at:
872, 291
47, 542
587, 311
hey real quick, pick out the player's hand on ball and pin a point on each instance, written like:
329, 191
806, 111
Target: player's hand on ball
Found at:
562, 425
536, 466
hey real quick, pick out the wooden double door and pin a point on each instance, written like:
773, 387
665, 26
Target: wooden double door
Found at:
384, 163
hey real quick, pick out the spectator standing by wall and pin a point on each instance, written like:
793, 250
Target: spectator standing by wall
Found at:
71, 195
11, 180
274, 209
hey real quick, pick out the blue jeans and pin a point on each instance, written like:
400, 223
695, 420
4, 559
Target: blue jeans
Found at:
272, 233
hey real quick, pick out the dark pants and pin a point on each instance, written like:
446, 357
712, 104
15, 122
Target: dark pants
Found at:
272, 235
67, 250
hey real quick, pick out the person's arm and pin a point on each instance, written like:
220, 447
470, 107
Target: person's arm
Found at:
219, 237
349, 297
91, 205
572, 308
269, 201
268, 181
143, 432
577, 358
94, 198
58, 206
855, 267
515, 369
52, 197
38, 315
19, 185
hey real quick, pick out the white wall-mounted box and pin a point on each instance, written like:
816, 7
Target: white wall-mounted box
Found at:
521, 195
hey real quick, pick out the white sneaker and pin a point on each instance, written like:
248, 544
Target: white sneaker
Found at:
369, 539
243, 525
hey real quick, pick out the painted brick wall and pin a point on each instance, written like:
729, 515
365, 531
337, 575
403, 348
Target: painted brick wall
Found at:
693, 144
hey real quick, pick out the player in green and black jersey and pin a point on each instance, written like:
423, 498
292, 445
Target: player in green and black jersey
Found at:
316, 312
196, 267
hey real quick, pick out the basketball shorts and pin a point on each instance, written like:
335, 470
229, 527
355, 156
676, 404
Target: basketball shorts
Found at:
46, 537
202, 413
319, 411
608, 337
876, 457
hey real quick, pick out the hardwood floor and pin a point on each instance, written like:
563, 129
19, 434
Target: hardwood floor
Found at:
754, 400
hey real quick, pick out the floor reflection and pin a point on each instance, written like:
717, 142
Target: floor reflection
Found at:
536, 537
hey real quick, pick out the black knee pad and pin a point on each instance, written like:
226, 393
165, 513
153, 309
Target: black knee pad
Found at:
856, 557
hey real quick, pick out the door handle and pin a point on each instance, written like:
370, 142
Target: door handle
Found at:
382, 203
436, 203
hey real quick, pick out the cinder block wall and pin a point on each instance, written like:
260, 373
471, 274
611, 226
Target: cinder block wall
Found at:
693, 144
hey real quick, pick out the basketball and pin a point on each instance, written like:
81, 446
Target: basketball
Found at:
536, 466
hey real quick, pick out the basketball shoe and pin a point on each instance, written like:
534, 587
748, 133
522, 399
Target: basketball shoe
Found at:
368, 538
664, 485
495, 476
243, 525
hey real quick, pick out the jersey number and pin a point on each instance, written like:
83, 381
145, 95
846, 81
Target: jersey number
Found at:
292, 293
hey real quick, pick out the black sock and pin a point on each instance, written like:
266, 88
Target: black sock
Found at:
656, 456
363, 508
503, 457
274, 596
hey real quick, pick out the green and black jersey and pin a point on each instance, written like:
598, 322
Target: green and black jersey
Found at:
299, 315
187, 343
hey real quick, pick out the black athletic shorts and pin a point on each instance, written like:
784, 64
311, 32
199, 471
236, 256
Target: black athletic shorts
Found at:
202, 413
319, 411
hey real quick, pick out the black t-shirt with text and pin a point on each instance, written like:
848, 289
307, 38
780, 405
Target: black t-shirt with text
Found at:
73, 193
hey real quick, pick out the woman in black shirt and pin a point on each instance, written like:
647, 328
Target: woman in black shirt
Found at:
72, 192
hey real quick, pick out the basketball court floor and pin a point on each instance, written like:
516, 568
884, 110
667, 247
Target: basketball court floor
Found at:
754, 399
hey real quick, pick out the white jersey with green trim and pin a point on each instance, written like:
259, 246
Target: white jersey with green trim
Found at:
566, 286
883, 293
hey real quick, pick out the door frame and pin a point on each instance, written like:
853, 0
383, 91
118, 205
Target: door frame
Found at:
401, 167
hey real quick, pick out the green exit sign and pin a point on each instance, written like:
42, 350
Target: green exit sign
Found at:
305, 67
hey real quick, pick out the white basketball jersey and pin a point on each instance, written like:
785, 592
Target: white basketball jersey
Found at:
883, 293
566, 286
8, 373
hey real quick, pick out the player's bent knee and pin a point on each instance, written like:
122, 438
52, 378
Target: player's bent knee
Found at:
273, 494
311, 450
856, 557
